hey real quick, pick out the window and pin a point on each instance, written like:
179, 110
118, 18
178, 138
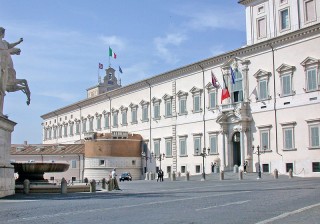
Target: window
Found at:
284, 19
264, 138
264, 131
168, 105
262, 81
197, 168
310, 11
145, 112
213, 143
71, 124
156, 147
286, 85
60, 131
73, 179
263, 90
196, 94
98, 118
77, 127
196, 144
169, 147
288, 138
288, 135
289, 166
90, 124
286, 75
260, 9
261, 28
314, 136
73, 164
314, 133
156, 108
50, 131
65, 130
134, 118
115, 118
106, 120
265, 168
212, 100
183, 146
182, 96
311, 66
54, 132
84, 125
316, 167
311, 79
101, 162
237, 89
124, 115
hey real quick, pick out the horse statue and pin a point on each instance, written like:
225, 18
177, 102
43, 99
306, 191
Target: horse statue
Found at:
8, 79
14, 84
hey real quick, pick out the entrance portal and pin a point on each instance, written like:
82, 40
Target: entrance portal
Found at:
236, 149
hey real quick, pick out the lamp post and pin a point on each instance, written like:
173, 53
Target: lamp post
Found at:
258, 152
160, 157
145, 155
203, 154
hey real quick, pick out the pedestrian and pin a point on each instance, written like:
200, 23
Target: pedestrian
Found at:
114, 179
245, 164
161, 175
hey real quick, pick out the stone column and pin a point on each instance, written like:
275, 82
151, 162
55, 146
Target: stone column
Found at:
245, 70
224, 148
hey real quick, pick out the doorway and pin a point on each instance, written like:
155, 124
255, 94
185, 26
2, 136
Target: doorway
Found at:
236, 149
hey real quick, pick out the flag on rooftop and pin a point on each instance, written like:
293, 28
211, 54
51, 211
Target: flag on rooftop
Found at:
120, 70
112, 54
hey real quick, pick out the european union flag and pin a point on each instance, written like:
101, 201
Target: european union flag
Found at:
232, 75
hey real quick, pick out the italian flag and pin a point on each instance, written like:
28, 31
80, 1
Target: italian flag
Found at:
112, 54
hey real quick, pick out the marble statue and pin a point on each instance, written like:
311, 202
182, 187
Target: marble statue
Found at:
8, 80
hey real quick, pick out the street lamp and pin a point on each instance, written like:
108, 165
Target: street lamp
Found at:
145, 155
203, 154
258, 152
160, 157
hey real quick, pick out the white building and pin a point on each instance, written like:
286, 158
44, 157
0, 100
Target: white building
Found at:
274, 103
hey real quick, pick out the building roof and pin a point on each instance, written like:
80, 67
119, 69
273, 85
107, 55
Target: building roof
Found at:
47, 149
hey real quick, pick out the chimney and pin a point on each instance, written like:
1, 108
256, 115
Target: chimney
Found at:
25, 142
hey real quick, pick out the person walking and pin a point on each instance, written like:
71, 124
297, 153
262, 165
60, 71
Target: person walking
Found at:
114, 179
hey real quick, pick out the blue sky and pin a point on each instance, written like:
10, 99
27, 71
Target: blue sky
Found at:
64, 41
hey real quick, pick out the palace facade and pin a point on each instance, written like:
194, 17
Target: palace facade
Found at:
274, 102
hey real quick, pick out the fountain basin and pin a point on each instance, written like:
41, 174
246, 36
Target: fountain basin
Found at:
35, 171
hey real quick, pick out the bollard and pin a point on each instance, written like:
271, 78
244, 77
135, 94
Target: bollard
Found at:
103, 183
26, 186
169, 175
147, 176
275, 174
216, 169
179, 174
221, 175
236, 169
173, 176
241, 175
150, 176
92, 186
110, 185
290, 174
64, 186
153, 175
187, 176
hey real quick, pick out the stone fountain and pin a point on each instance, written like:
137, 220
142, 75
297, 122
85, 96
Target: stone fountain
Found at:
34, 171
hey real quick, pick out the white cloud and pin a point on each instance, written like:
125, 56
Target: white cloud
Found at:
114, 42
163, 46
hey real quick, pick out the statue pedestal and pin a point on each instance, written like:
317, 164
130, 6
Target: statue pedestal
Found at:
7, 181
